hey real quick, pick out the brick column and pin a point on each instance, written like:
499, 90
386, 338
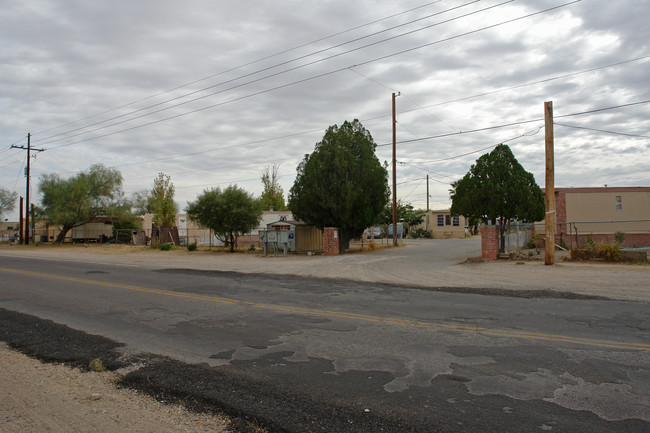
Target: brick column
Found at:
330, 241
489, 242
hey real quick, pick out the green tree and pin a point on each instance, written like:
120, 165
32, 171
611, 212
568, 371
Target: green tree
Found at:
273, 195
497, 187
7, 201
161, 202
405, 213
228, 213
77, 200
342, 183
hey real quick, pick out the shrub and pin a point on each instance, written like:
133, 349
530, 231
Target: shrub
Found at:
611, 253
191, 247
581, 254
96, 365
620, 237
165, 247
590, 244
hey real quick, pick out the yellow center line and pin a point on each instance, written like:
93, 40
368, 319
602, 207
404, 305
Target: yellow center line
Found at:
352, 316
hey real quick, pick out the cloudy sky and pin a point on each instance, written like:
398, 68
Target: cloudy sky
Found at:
212, 92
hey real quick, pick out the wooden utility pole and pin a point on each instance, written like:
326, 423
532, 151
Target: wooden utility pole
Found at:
427, 193
394, 175
27, 172
549, 221
20, 224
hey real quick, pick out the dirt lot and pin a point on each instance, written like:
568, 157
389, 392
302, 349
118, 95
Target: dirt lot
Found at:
39, 397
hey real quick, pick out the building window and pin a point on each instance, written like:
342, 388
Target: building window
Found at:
456, 221
447, 220
441, 220
619, 202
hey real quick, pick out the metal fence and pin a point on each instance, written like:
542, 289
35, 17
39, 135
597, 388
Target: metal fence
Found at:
579, 234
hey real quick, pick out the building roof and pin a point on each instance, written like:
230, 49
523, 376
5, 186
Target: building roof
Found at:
602, 189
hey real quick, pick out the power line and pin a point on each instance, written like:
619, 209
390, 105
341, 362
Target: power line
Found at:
263, 70
506, 89
244, 65
302, 80
601, 130
598, 110
470, 131
487, 128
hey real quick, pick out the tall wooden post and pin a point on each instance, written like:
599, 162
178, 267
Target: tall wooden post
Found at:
549, 221
29, 149
27, 174
394, 175
427, 193
22, 221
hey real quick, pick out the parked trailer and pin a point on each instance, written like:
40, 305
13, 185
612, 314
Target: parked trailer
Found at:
92, 232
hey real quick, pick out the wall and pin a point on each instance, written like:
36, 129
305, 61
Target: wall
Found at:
331, 241
489, 242
594, 214
599, 204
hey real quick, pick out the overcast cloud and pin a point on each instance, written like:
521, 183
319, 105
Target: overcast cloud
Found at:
211, 92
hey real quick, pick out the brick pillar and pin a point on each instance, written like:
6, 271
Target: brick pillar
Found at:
489, 242
330, 241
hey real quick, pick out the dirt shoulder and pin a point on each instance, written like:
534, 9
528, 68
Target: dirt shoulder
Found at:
42, 397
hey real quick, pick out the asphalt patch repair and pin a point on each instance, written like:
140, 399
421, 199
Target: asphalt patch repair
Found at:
251, 405
259, 398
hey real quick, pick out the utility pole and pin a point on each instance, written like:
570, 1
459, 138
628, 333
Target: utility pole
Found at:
426, 215
27, 174
427, 193
549, 221
20, 224
394, 176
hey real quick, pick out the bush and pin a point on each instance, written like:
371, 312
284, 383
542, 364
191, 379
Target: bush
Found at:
165, 247
609, 252
96, 365
421, 233
620, 237
582, 254
191, 247
590, 244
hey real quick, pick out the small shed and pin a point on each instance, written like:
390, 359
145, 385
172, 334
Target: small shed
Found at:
303, 237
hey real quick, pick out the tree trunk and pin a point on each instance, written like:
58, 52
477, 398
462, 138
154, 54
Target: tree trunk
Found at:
344, 241
64, 231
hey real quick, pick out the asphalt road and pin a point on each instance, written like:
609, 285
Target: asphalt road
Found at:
300, 354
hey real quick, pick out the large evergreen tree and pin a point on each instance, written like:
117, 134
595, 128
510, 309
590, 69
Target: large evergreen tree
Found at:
342, 183
497, 187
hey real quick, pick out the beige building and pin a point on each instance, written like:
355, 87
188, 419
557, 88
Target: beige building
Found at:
599, 213
443, 225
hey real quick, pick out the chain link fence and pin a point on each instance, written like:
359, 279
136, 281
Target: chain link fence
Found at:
578, 234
